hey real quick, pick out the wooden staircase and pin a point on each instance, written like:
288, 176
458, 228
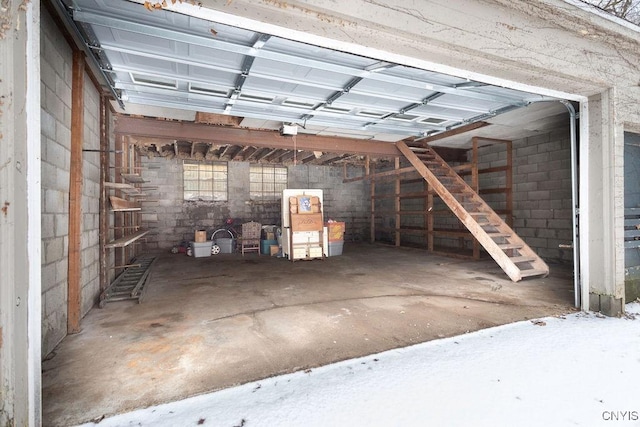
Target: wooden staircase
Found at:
511, 253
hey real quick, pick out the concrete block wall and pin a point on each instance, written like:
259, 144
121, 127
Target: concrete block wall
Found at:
55, 63
55, 115
542, 204
172, 219
90, 254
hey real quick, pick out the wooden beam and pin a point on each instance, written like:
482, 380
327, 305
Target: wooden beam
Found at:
392, 172
248, 153
165, 129
452, 132
74, 285
217, 119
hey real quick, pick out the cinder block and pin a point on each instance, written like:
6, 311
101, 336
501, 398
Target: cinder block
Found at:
538, 195
525, 151
53, 201
61, 224
538, 158
542, 214
48, 275
62, 270
53, 250
550, 185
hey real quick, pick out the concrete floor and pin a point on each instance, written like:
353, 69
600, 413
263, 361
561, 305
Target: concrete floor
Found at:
210, 323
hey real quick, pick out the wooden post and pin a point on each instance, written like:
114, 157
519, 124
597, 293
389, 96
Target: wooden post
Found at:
430, 218
509, 185
118, 221
367, 168
104, 204
74, 284
475, 184
397, 201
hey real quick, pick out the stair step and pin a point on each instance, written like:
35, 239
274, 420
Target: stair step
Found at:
510, 246
533, 272
495, 235
517, 259
478, 213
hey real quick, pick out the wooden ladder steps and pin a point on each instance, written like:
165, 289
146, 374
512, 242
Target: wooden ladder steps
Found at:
518, 259
496, 235
533, 272
505, 246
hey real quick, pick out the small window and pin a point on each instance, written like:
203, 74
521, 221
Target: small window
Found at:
205, 181
267, 182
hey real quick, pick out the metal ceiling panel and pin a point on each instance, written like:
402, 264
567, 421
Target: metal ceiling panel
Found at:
166, 59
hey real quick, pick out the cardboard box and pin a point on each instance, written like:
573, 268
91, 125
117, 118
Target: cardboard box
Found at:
306, 222
201, 236
274, 249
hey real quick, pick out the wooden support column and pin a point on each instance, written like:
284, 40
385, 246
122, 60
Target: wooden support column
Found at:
118, 221
509, 185
397, 203
75, 195
367, 171
104, 204
475, 184
429, 216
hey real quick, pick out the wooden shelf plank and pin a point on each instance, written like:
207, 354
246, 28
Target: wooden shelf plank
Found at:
119, 185
121, 205
126, 240
133, 178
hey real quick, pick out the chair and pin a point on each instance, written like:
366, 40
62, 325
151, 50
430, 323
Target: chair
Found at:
251, 237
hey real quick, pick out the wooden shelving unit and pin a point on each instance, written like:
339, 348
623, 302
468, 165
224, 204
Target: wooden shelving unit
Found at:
126, 190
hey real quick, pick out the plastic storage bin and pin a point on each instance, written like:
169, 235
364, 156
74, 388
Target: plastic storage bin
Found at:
201, 249
225, 240
335, 248
265, 246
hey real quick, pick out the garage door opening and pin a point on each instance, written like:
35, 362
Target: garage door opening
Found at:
330, 120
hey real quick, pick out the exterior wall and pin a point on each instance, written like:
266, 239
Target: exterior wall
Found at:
56, 80
172, 219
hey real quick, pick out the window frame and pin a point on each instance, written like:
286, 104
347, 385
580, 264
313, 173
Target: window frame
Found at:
274, 187
202, 193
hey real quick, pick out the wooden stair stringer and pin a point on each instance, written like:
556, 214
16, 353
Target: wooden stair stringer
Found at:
514, 272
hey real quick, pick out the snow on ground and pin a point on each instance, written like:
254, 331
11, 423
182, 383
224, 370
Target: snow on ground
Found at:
582, 369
